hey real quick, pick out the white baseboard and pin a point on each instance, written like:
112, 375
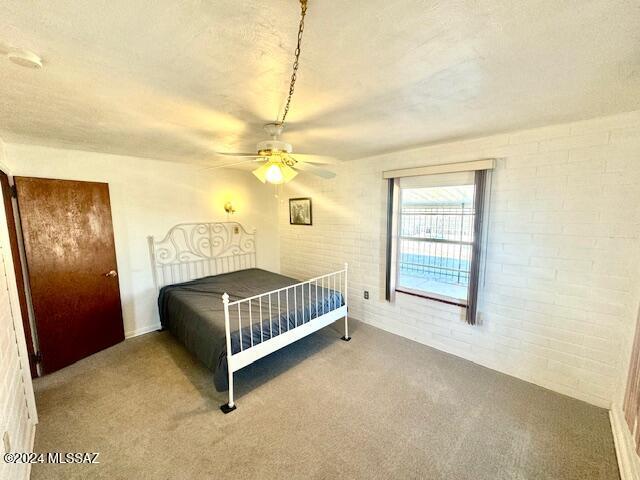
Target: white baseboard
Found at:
143, 330
628, 461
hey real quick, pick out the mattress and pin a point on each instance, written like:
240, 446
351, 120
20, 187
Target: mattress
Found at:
194, 313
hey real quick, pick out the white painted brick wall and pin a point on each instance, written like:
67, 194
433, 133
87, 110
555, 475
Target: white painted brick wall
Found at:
14, 413
562, 276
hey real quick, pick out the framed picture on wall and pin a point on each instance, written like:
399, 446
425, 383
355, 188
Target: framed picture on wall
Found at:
300, 211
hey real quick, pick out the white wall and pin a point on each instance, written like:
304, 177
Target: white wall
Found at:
561, 292
17, 405
147, 198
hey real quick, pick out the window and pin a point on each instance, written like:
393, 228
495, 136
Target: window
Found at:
435, 241
435, 230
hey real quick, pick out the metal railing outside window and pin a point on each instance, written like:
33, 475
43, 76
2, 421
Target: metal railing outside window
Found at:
436, 242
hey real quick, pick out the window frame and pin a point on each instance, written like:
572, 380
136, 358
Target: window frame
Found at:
482, 171
397, 242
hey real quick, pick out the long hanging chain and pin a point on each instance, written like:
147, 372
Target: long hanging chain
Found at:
294, 73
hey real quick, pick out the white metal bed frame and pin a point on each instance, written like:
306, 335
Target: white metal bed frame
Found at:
195, 250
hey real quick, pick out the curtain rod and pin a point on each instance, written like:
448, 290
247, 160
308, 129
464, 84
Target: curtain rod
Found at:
484, 164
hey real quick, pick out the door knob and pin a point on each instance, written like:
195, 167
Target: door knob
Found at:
112, 273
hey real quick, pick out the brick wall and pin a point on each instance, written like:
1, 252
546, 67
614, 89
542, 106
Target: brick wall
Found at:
561, 291
15, 421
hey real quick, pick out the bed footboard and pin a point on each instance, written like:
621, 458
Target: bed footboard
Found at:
272, 320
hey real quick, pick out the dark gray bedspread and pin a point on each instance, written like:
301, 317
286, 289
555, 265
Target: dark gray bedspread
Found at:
193, 312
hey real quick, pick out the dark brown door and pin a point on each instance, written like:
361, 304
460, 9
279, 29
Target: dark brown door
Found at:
71, 263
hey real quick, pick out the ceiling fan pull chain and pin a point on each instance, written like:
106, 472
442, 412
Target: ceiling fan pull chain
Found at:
296, 61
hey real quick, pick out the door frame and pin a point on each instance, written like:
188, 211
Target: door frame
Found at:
14, 301
11, 214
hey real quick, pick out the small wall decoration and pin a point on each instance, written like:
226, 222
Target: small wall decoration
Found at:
300, 211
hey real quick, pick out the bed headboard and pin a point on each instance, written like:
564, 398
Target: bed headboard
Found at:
195, 250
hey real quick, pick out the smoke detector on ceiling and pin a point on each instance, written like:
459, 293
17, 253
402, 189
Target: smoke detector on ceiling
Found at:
25, 58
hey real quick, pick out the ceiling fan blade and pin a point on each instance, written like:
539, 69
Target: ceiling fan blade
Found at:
216, 167
319, 159
310, 168
237, 154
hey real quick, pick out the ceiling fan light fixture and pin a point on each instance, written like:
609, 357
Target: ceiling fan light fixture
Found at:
275, 172
261, 172
288, 173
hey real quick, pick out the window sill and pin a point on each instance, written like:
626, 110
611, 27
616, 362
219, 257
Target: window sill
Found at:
434, 297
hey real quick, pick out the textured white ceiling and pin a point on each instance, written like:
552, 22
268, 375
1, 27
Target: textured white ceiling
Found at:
179, 80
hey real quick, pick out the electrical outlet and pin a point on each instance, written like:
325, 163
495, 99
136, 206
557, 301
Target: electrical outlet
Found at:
366, 294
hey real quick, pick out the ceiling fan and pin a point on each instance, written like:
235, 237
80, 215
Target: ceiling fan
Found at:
279, 165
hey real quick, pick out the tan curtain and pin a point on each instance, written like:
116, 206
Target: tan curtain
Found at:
631, 406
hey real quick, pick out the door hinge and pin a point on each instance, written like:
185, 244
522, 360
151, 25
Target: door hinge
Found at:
14, 191
36, 357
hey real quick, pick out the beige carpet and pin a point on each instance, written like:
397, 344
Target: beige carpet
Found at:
380, 406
